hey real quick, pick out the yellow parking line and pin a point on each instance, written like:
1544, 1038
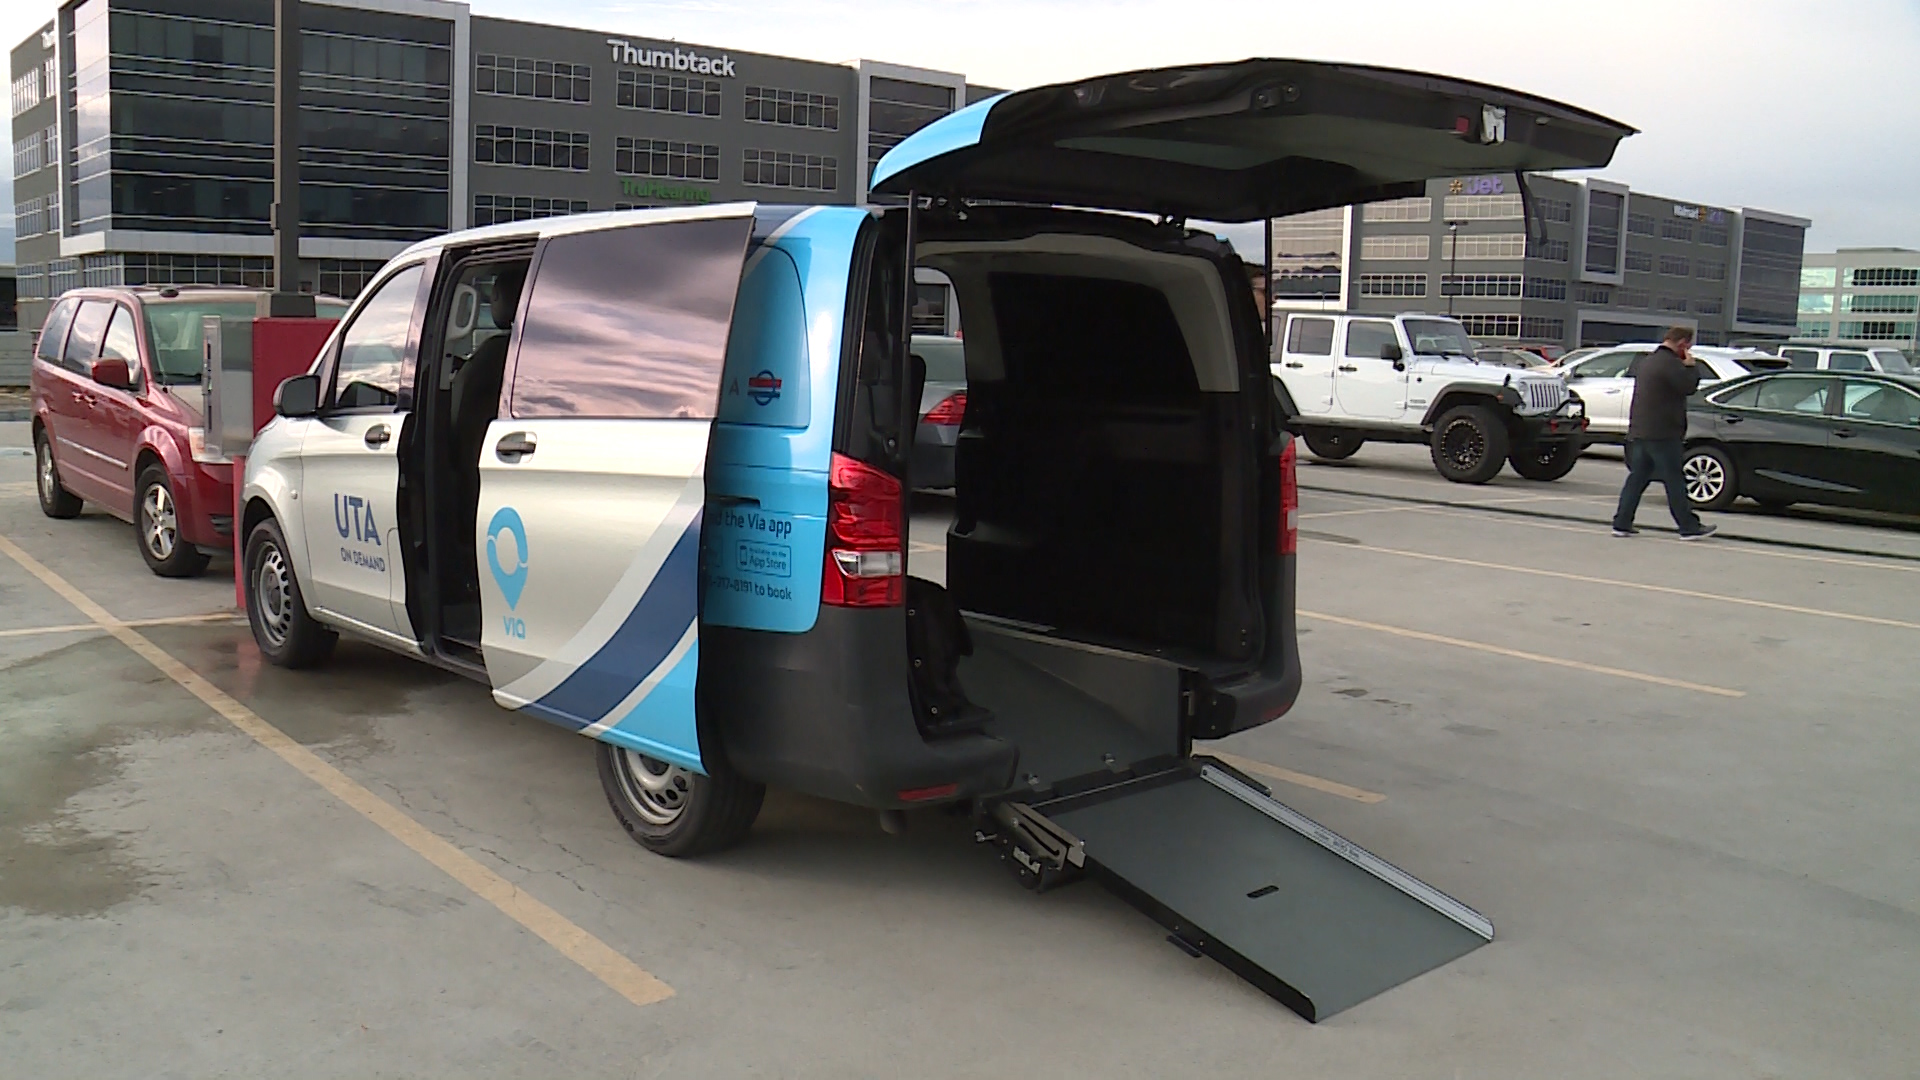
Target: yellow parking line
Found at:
620, 974
1695, 594
1298, 779
1516, 654
77, 628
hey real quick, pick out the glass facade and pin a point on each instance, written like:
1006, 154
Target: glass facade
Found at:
1769, 273
896, 109
1306, 255
1604, 210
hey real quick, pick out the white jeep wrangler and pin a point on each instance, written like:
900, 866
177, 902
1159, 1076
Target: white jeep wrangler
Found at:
1344, 379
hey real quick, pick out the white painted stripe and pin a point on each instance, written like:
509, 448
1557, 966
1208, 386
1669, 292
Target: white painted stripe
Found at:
654, 678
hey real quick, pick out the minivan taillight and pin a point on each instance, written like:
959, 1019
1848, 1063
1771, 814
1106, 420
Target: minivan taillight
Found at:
949, 412
1289, 501
865, 566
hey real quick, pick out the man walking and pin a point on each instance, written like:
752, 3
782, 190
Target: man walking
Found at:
1656, 430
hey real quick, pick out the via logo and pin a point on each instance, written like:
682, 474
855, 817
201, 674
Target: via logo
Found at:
353, 516
763, 388
507, 557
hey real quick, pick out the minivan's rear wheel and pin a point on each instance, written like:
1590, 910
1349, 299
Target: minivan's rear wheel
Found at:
1469, 444
1332, 444
55, 500
1546, 461
276, 611
157, 517
675, 811
1709, 474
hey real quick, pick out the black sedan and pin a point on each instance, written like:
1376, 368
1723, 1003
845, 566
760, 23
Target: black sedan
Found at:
1781, 438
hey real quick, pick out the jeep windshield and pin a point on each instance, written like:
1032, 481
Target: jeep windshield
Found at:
1439, 337
173, 327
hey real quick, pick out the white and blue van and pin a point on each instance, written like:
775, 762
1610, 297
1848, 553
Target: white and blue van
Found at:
645, 475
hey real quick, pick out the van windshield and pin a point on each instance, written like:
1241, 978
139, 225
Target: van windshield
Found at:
173, 326
1439, 337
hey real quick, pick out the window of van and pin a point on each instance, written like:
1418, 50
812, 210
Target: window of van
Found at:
373, 347
53, 336
83, 343
629, 323
1310, 337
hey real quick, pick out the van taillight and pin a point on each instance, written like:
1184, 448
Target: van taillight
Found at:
949, 412
1289, 501
864, 566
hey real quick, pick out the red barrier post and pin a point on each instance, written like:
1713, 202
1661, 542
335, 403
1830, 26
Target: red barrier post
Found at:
282, 348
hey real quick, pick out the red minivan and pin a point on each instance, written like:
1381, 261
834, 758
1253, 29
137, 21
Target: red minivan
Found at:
118, 415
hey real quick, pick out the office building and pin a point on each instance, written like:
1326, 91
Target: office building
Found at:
1861, 297
1597, 263
143, 129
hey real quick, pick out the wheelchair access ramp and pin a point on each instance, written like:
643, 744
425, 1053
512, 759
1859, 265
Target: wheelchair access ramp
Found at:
1305, 915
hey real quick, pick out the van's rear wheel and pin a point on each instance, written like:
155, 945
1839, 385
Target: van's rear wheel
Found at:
1332, 445
55, 500
1470, 444
674, 811
1546, 461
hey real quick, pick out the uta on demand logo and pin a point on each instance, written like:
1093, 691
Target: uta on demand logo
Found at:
763, 388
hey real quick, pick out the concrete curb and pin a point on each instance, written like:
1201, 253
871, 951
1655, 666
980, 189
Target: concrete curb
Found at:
15, 414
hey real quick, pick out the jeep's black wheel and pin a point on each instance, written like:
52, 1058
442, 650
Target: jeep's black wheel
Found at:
1546, 461
1332, 444
55, 500
672, 810
1469, 444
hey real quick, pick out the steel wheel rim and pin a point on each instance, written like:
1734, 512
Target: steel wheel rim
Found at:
273, 596
159, 526
657, 791
1464, 451
49, 482
1705, 478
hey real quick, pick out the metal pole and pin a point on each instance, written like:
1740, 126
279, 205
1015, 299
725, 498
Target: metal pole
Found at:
287, 299
1453, 260
1266, 317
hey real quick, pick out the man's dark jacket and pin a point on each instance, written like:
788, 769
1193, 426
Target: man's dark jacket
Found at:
1661, 386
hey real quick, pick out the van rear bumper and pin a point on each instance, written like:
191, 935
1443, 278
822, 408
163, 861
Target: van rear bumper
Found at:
827, 713
1265, 695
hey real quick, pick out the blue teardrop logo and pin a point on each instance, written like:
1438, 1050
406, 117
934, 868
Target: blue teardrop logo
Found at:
507, 554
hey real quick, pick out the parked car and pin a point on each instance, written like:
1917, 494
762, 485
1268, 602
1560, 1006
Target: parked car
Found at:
1810, 358
1524, 359
1787, 437
118, 414
943, 402
1604, 381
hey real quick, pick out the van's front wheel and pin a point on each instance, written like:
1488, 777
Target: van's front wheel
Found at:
674, 811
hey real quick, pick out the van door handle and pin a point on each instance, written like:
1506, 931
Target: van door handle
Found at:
1843, 433
1348, 367
1731, 419
377, 436
1295, 364
514, 445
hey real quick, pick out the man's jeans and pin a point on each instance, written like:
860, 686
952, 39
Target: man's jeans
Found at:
1649, 460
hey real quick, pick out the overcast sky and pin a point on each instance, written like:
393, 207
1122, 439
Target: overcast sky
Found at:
1807, 109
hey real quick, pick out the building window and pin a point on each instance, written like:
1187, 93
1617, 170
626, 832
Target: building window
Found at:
1494, 246
778, 168
1559, 210
1816, 277
1491, 326
1816, 303
1876, 330
1708, 307
660, 92
1549, 249
1641, 224
26, 91
1604, 211
1633, 298
1420, 209
1393, 284
793, 108
31, 281
1879, 276
1505, 285
537, 148
1639, 260
1769, 272
517, 76
1713, 235
896, 109
1813, 328
500, 209
1482, 208
1538, 328
1671, 303
62, 274
666, 158
35, 152
1675, 265
1676, 229
1890, 303
1593, 294
37, 215
345, 278
1307, 254
1540, 288
1395, 247
1710, 270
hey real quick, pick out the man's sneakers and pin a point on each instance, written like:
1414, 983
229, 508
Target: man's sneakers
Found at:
1701, 534
1626, 532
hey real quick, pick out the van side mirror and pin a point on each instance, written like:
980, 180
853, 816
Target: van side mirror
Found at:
111, 371
298, 396
1392, 351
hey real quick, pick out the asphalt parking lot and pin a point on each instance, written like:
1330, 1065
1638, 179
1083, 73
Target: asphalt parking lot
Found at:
1678, 778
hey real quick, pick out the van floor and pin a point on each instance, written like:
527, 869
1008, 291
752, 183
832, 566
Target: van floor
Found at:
1062, 730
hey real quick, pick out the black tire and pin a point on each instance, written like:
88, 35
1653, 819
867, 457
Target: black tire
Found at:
1332, 444
55, 500
156, 528
1712, 483
287, 635
1470, 444
674, 811
1546, 461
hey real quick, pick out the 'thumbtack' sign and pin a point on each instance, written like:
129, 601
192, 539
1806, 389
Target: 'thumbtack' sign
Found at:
676, 59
